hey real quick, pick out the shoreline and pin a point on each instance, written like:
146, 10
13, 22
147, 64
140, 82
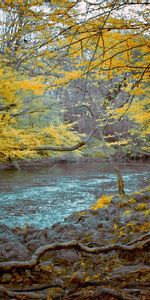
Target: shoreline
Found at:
50, 162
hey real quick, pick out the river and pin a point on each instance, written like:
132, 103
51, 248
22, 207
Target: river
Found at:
45, 195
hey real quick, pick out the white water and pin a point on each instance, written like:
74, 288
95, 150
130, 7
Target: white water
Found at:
44, 196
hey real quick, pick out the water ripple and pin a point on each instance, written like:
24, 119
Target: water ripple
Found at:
44, 197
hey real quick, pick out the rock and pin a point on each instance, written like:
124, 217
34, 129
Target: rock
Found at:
11, 246
34, 244
59, 271
34, 234
57, 281
61, 227
67, 257
77, 278
6, 278
65, 231
13, 251
142, 196
3, 293
6, 234
54, 292
133, 270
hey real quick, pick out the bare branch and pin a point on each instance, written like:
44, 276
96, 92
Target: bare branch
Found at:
56, 148
7, 107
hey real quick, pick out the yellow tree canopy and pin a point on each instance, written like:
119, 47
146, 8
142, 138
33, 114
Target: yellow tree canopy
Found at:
18, 140
47, 45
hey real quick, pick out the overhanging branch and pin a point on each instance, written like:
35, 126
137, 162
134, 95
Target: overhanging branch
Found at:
57, 148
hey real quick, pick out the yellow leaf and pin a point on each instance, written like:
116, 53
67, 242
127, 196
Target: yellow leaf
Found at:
141, 206
102, 202
127, 212
115, 226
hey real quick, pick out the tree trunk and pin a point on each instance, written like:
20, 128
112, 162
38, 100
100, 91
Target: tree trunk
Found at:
120, 185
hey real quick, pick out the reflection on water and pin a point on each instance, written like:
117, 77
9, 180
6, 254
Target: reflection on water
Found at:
44, 196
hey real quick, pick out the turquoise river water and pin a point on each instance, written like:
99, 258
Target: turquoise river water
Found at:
45, 195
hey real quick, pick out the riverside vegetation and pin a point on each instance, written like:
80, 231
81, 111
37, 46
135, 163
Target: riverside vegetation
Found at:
71, 74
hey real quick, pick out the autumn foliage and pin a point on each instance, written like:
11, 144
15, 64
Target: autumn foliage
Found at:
45, 47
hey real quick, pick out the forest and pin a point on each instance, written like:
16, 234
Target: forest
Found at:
74, 102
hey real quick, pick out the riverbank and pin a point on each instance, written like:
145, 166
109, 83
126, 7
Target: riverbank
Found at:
118, 235
65, 159
47, 162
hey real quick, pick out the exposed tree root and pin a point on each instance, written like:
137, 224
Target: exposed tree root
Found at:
102, 292
124, 294
37, 288
30, 264
120, 285
113, 293
32, 295
136, 293
131, 270
6, 293
141, 238
134, 285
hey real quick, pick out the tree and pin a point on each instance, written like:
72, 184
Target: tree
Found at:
19, 139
